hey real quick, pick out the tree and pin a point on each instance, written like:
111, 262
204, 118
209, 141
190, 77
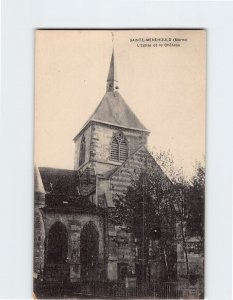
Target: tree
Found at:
179, 198
146, 211
168, 208
188, 200
196, 204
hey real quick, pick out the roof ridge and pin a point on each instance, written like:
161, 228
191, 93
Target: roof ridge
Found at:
121, 126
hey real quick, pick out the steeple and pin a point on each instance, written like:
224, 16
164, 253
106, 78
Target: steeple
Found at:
113, 110
112, 83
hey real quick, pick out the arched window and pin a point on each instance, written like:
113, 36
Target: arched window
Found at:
82, 151
119, 147
89, 252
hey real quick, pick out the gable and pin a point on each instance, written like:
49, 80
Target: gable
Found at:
120, 179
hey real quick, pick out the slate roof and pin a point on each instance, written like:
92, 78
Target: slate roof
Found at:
113, 110
59, 181
68, 182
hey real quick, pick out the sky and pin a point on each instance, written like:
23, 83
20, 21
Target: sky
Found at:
164, 84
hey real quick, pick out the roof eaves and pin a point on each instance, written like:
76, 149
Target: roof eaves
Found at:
109, 124
117, 125
82, 129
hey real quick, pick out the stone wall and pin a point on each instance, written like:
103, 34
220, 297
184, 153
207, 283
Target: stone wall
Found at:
102, 137
120, 251
74, 224
98, 145
87, 135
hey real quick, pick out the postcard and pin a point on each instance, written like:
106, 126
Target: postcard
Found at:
119, 192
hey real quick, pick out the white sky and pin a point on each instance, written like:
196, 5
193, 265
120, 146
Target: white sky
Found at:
164, 86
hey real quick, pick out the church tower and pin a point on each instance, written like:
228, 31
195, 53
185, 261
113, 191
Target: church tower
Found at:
111, 134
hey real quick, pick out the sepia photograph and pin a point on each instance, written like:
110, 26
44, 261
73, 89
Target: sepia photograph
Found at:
119, 164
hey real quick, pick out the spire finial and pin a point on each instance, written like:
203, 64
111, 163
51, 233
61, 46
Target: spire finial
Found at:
112, 83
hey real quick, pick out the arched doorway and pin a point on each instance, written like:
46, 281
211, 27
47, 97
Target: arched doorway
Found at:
57, 244
57, 249
89, 252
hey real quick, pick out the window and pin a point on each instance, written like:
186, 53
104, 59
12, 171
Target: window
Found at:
123, 152
119, 147
115, 149
82, 151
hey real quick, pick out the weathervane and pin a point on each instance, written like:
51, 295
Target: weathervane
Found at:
112, 38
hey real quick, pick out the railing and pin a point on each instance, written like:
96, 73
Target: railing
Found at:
155, 290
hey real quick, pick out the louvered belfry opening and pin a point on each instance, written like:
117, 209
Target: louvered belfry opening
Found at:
82, 151
115, 149
123, 151
119, 147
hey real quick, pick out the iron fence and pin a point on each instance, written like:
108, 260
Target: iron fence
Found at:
155, 290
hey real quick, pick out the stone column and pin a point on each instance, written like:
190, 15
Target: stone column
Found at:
112, 256
39, 238
74, 253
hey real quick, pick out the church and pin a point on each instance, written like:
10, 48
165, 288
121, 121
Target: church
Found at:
74, 239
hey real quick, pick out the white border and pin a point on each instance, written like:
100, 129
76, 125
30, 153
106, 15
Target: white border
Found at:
19, 19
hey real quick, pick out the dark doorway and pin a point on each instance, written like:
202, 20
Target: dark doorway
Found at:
140, 272
89, 252
56, 268
57, 244
122, 271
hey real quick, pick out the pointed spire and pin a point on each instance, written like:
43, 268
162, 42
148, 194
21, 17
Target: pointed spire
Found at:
38, 185
112, 83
